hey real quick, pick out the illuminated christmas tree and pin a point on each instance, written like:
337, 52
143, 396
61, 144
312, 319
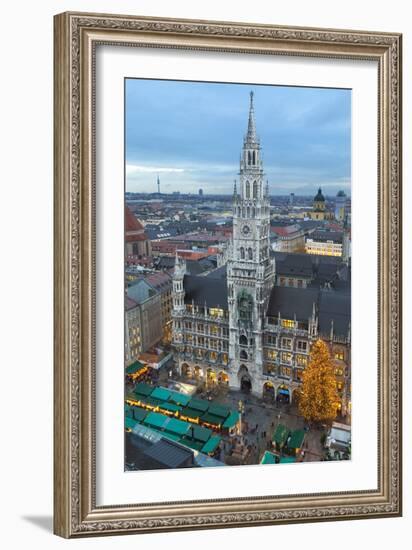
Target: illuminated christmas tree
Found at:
319, 397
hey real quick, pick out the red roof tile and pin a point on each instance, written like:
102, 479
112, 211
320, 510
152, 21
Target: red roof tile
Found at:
131, 222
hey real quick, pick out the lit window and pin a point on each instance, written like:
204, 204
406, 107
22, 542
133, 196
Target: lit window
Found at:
339, 355
301, 360
286, 371
288, 323
215, 312
286, 357
271, 354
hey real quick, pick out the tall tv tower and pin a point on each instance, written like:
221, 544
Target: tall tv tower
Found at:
158, 184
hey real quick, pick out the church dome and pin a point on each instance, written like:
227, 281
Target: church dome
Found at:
319, 197
341, 194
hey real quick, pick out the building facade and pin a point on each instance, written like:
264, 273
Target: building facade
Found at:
145, 318
289, 238
325, 243
340, 204
236, 326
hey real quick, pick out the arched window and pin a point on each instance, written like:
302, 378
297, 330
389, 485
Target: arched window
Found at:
255, 189
253, 212
248, 157
238, 211
247, 190
242, 340
250, 254
243, 354
254, 157
242, 253
247, 212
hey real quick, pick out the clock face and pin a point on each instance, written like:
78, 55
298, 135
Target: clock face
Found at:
245, 230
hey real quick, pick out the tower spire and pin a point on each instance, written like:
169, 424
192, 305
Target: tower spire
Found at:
251, 127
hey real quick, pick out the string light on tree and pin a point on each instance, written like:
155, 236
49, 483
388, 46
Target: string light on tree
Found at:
318, 401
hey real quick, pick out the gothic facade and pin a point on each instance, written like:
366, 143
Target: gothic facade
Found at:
234, 326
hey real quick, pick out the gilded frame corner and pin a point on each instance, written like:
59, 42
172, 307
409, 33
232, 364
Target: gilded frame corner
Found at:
75, 38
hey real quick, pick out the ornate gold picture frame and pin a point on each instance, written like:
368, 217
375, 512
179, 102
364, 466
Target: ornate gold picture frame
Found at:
76, 37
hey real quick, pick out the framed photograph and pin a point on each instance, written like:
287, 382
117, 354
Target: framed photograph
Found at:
227, 274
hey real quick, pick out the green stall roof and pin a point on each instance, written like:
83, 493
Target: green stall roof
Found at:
149, 400
129, 423
139, 414
190, 413
199, 404
268, 458
160, 393
169, 407
200, 433
211, 445
281, 434
231, 420
128, 410
133, 397
143, 389
219, 410
177, 426
287, 459
212, 419
155, 419
296, 439
134, 367
179, 398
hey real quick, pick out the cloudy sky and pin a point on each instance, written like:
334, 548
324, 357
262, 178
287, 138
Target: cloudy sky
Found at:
191, 133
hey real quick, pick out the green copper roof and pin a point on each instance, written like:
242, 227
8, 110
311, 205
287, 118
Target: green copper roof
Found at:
319, 196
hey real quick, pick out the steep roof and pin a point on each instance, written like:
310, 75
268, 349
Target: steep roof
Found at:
325, 236
205, 290
140, 291
131, 222
159, 280
334, 306
294, 264
290, 301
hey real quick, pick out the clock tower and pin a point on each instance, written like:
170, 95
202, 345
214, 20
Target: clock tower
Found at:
250, 270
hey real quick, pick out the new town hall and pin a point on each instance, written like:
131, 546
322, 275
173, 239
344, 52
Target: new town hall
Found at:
237, 326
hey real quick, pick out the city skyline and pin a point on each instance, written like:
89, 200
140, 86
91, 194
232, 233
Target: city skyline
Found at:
194, 128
